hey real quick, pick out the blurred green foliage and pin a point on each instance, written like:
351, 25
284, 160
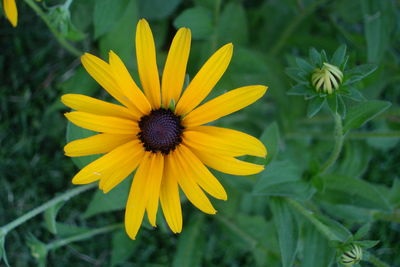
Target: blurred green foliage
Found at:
288, 215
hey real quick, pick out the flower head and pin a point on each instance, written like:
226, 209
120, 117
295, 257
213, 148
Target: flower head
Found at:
11, 12
327, 79
168, 147
351, 256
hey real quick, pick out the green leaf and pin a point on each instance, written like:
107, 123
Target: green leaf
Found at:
189, 248
271, 138
296, 74
358, 73
364, 112
299, 89
287, 228
120, 38
67, 230
314, 106
79, 83
367, 243
198, 20
73, 133
157, 9
38, 250
50, 217
304, 65
315, 57
352, 191
394, 194
122, 247
338, 56
362, 231
106, 15
114, 200
232, 25
316, 249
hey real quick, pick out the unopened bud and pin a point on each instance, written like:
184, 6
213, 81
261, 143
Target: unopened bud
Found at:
351, 256
327, 79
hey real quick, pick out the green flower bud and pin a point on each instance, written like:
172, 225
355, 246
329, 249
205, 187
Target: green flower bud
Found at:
327, 79
351, 256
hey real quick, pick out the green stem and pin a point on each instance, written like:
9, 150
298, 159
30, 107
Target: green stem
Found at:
214, 39
289, 30
309, 215
86, 235
63, 42
29, 215
339, 137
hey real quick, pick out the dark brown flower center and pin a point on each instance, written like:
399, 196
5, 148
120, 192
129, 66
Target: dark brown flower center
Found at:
161, 130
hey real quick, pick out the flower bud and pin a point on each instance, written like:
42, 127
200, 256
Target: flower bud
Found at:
351, 256
327, 79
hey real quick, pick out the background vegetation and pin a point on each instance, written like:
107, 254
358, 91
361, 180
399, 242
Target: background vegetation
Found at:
289, 215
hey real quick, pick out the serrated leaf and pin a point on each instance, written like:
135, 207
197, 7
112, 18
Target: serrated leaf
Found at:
198, 19
341, 189
112, 201
316, 249
314, 106
338, 56
73, 133
50, 217
232, 25
364, 112
106, 15
122, 247
287, 228
157, 9
189, 248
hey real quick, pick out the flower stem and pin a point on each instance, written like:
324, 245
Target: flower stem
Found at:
29, 215
62, 242
322, 228
63, 42
339, 137
377, 262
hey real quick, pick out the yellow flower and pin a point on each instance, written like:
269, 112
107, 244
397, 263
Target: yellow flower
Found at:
167, 143
10, 9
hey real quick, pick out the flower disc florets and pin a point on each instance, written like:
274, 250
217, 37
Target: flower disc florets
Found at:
327, 79
161, 130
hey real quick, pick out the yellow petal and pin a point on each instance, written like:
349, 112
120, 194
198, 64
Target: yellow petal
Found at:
97, 144
128, 85
105, 124
226, 164
103, 74
224, 105
201, 174
186, 181
141, 192
147, 64
128, 165
153, 186
224, 141
175, 66
169, 198
205, 80
104, 166
95, 106
11, 12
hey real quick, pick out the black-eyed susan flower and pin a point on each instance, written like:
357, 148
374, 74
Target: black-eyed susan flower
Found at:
160, 132
11, 12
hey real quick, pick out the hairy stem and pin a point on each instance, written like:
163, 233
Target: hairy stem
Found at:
63, 242
29, 215
62, 41
339, 137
